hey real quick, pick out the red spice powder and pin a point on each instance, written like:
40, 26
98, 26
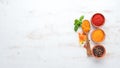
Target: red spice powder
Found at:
98, 19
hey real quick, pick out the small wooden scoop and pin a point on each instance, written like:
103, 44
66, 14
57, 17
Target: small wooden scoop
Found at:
86, 28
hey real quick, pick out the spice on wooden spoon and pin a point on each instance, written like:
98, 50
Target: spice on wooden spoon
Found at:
86, 28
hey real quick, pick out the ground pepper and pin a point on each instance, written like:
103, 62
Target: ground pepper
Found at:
98, 51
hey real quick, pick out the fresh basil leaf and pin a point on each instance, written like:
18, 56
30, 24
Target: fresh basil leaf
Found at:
80, 23
76, 21
81, 18
76, 28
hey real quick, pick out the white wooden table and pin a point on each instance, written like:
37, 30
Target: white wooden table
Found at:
39, 33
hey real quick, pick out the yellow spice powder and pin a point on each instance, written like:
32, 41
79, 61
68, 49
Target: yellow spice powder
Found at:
98, 35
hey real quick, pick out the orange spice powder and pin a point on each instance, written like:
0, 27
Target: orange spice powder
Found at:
85, 26
98, 35
82, 38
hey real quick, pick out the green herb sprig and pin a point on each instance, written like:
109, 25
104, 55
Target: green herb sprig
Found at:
77, 23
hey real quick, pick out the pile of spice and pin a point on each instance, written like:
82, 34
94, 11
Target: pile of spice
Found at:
97, 20
85, 26
98, 35
82, 38
98, 51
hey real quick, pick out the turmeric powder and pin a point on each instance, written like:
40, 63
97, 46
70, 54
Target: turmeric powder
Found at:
98, 35
86, 26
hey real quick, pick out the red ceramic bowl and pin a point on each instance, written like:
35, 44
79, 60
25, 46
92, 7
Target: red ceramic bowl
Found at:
98, 51
98, 20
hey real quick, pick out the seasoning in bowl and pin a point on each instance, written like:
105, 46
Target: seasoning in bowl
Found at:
97, 20
98, 51
98, 35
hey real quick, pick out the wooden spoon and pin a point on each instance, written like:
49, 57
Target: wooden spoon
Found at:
86, 29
